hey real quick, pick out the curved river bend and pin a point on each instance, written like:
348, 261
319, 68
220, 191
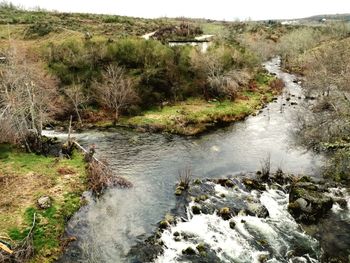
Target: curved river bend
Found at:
108, 227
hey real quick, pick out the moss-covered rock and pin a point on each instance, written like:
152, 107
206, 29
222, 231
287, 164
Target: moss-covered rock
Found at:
196, 210
201, 198
225, 182
253, 184
201, 247
164, 224
225, 213
308, 202
189, 251
179, 189
232, 224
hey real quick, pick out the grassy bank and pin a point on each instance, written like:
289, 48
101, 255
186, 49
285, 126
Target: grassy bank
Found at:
194, 116
26, 177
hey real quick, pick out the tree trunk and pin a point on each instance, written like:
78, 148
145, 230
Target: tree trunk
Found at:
116, 117
78, 114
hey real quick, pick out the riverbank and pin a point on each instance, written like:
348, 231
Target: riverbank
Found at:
26, 179
195, 116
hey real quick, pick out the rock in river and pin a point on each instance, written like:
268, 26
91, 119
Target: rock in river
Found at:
308, 202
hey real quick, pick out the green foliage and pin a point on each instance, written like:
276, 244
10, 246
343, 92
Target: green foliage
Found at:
72, 202
338, 167
39, 30
49, 223
191, 116
47, 229
161, 73
75, 60
5, 150
111, 19
263, 79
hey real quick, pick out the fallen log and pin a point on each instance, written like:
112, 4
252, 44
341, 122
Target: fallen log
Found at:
88, 153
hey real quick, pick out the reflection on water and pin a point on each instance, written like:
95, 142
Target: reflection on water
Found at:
109, 226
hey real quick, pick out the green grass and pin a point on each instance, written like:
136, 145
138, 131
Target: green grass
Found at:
27, 177
213, 28
263, 79
195, 115
5, 150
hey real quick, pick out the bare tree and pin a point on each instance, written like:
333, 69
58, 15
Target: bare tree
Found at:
116, 91
27, 96
221, 82
77, 98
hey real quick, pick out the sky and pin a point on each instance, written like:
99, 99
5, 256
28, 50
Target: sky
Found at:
215, 9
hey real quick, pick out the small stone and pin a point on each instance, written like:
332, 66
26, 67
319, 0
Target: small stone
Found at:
196, 210
201, 247
263, 258
201, 198
197, 181
341, 202
308, 202
253, 184
226, 183
176, 234
225, 213
189, 251
44, 202
263, 242
178, 191
232, 224
158, 234
163, 224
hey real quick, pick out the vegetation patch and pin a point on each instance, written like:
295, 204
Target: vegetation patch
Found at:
195, 115
24, 178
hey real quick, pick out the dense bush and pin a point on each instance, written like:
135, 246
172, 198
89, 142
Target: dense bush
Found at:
160, 72
39, 30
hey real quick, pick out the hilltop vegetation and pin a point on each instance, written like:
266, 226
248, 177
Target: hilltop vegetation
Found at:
74, 51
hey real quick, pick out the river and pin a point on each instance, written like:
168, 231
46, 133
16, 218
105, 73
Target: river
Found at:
106, 228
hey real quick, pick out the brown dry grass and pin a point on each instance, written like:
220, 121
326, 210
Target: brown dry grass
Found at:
16, 195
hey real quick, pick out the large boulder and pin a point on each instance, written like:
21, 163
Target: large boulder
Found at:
308, 202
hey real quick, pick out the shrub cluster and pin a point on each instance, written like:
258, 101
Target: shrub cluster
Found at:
159, 72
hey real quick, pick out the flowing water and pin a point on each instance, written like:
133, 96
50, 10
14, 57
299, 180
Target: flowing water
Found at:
276, 238
108, 227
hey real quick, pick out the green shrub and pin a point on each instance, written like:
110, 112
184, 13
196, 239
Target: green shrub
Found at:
39, 30
5, 149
